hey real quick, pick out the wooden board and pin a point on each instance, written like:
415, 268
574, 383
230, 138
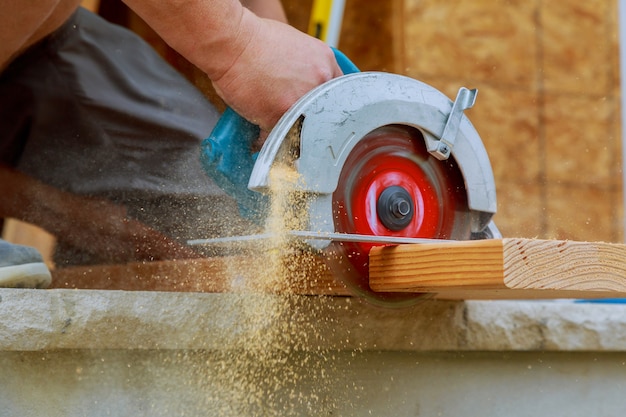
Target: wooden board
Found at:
486, 269
217, 274
502, 268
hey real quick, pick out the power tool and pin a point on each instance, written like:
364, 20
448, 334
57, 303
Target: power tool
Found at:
381, 158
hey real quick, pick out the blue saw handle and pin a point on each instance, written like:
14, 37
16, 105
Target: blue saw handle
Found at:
227, 158
347, 66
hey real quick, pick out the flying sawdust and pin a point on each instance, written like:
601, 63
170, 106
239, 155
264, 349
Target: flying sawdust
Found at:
269, 372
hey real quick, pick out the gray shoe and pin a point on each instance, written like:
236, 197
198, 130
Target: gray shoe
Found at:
22, 267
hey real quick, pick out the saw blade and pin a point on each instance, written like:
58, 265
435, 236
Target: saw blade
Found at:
390, 187
310, 235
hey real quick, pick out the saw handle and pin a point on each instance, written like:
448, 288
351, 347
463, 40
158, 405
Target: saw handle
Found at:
227, 158
347, 66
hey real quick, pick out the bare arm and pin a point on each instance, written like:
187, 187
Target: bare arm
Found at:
269, 9
24, 22
259, 66
95, 225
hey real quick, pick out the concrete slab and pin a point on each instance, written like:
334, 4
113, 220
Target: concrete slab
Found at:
102, 353
93, 319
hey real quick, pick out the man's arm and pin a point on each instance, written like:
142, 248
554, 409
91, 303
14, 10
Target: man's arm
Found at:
260, 67
23, 23
268, 9
95, 225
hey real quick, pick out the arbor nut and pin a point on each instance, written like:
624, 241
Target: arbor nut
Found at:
395, 208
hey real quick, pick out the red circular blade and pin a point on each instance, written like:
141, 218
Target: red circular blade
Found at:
394, 156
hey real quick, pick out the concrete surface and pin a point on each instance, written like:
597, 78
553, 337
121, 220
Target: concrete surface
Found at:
114, 353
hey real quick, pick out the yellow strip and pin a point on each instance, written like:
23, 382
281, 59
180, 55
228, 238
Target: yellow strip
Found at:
320, 18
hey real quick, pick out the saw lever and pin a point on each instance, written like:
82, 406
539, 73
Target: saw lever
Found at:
310, 235
226, 155
465, 99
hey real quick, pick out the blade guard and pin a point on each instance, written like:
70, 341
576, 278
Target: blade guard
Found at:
339, 113
226, 155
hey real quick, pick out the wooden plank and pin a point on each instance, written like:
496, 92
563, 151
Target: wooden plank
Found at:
502, 268
216, 274
485, 269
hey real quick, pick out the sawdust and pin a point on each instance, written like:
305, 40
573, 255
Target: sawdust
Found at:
265, 373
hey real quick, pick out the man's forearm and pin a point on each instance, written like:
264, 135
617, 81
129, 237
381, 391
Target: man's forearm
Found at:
259, 66
32, 201
95, 225
269, 9
209, 33
23, 23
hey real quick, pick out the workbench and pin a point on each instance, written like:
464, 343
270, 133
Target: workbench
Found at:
67, 353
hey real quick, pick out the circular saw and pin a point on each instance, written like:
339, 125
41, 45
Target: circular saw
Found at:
380, 159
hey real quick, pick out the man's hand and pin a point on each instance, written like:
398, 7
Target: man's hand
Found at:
276, 66
260, 67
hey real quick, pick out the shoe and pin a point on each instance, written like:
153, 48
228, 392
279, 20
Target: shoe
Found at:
22, 267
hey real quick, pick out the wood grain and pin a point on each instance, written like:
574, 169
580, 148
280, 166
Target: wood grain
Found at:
502, 268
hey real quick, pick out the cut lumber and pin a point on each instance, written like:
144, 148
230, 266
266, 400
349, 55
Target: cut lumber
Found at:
480, 269
502, 268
